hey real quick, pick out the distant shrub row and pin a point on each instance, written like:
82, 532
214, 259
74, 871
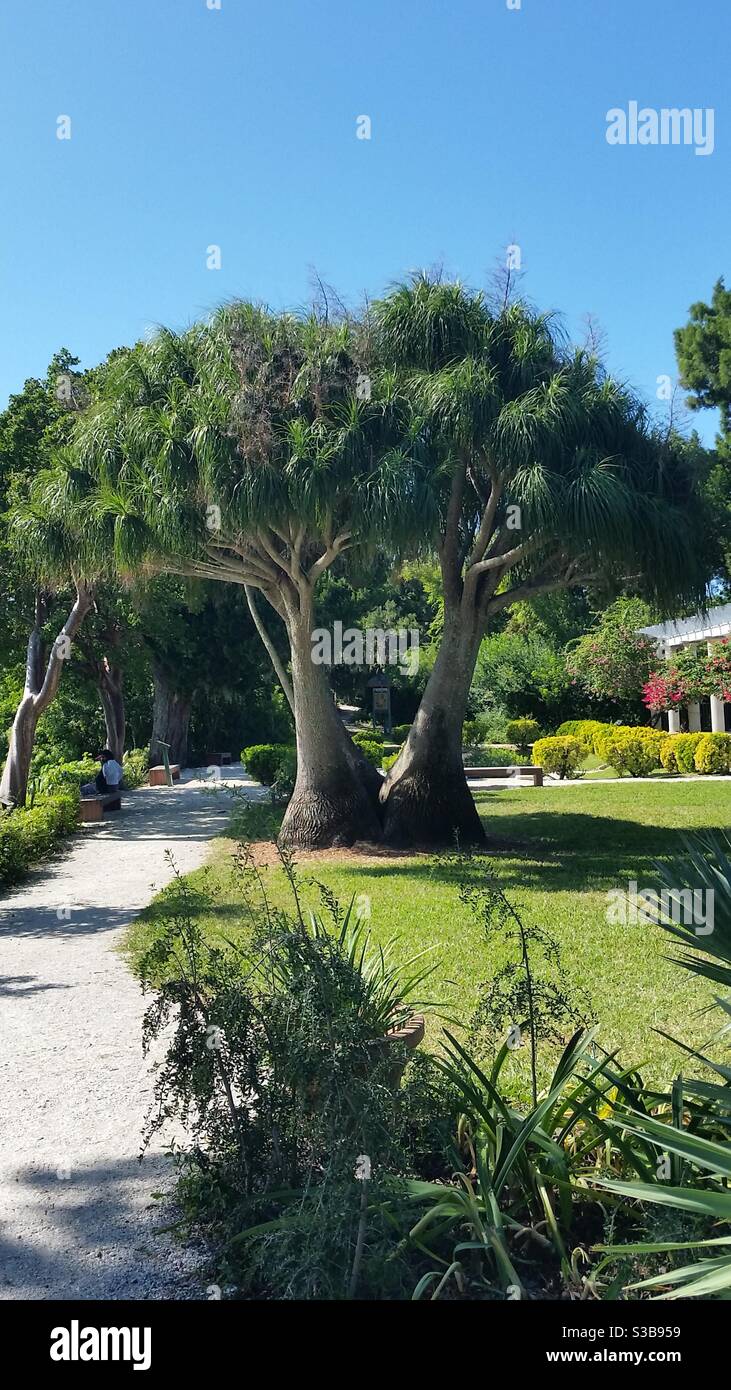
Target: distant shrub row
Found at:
636, 751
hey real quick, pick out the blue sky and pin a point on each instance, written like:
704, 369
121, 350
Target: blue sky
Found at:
236, 127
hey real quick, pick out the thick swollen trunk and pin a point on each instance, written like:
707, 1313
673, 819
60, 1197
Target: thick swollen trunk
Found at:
335, 799
112, 698
170, 720
14, 785
426, 799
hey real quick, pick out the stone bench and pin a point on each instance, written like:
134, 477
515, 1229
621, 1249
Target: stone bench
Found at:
157, 776
92, 808
472, 773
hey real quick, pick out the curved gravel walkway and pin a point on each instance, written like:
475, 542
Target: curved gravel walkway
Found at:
75, 1213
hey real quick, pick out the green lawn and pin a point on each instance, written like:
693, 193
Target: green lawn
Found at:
557, 851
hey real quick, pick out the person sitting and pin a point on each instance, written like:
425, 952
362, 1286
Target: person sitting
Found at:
108, 778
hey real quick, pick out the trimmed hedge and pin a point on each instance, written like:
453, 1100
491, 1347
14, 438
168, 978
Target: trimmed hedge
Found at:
361, 736
560, 754
713, 753
400, 733
636, 751
26, 836
389, 761
677, 752
586, 730
262, 760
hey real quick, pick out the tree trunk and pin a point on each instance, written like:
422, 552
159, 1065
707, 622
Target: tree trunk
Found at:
426, 798
170, 720
111, 694
14, 785
42, 679
335, 796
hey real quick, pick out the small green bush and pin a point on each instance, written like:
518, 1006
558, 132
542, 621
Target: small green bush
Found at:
523, 732
135, 767
373, 752
493, 725
29, 835
635, 751
389, 761
585, 730
561, 755
685, 751
677, 752
713, 753
400, 732
370, 735
490, 757
471, 733
284, 777
261, 761
669, 752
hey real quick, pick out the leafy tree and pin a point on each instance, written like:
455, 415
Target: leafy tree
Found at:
545, 475
703, 349
243, 452
613, 661
35, 422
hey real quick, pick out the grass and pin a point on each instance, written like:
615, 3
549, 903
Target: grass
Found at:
556, 852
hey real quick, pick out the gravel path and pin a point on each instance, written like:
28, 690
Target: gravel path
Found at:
75, 1213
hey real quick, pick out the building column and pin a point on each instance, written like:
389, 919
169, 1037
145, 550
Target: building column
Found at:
673, 721
718, 715
694, 719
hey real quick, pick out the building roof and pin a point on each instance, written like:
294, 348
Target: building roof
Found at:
716, 622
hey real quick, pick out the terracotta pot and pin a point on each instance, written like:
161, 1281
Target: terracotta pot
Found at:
396, 1040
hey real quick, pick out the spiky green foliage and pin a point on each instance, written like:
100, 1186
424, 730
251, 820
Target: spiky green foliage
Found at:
573, 449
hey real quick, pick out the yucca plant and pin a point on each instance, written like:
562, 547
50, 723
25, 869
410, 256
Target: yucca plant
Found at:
707, 1196
516, 1193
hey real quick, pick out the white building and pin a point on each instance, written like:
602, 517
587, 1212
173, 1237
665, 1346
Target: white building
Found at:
702, 630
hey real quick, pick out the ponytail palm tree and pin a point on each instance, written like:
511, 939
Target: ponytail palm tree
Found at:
241, 451
544, 474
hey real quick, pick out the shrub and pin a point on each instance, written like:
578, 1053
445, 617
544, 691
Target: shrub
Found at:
389, 761
685, 751
606, 732
493, 725
373, 752
28, 835
277, 1066
261, 761
370, 735
471, 733
585, 730
523, 732
136, 766
490, 757
713, 753
561, 755
284, 777
400, 733
635, 751
668, 752
677, 752
67, 777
